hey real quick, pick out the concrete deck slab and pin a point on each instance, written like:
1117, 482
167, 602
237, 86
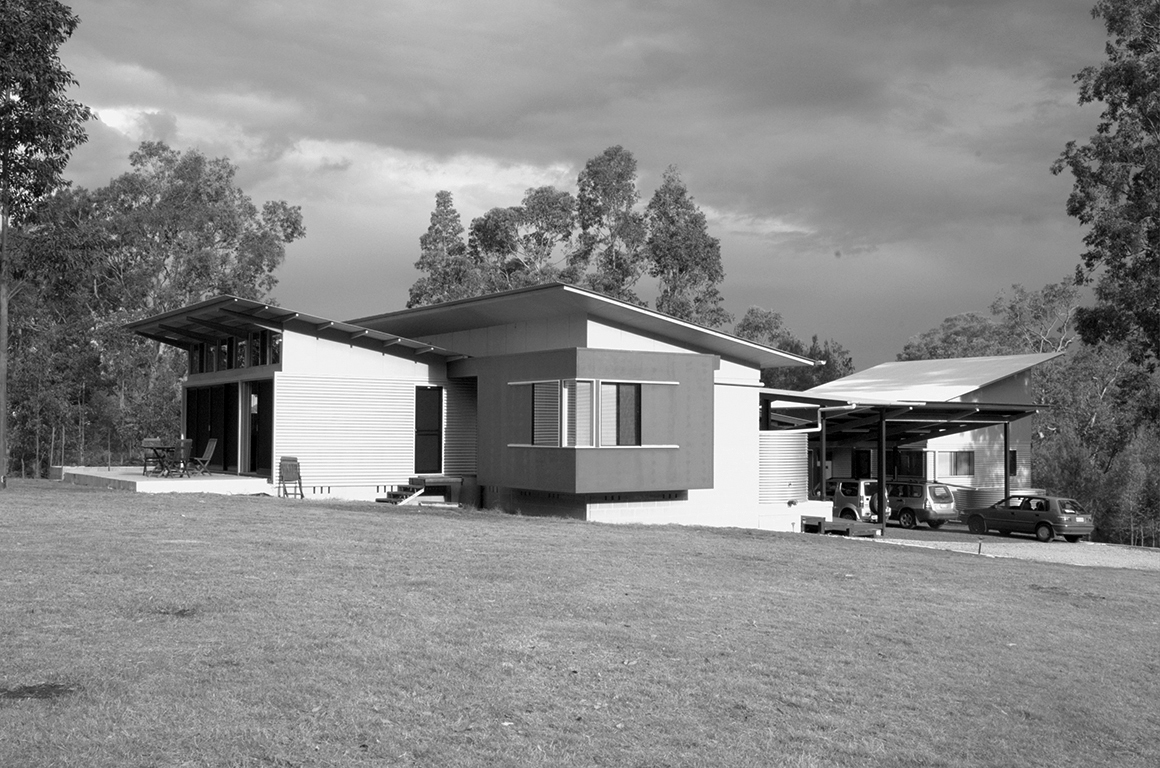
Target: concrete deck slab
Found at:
131, 479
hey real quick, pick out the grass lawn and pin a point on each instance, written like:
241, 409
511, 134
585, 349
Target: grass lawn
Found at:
141, 630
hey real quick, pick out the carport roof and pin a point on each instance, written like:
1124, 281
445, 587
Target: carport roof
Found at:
854, 424
225, 316
940, 380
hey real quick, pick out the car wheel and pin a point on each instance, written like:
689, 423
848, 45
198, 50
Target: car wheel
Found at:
935, 524
848, 515
906, 519
1073, 539
1043, 532
977, 525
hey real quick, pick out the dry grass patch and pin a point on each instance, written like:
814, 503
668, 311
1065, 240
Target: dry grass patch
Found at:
201, 630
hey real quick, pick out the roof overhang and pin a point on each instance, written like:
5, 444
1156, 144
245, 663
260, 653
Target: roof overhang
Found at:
856, 424
226, 316
554, 299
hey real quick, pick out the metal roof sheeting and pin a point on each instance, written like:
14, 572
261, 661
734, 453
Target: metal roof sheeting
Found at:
225, 316
554, 299
920, 381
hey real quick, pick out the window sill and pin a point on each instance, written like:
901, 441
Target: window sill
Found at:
590, 447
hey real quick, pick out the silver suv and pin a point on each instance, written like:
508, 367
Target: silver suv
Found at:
913, 502
854, 499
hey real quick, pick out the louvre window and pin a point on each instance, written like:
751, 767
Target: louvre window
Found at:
578, 412
546, 413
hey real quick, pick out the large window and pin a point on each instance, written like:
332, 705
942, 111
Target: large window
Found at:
568, 413
619, 414
258, 348
956, 463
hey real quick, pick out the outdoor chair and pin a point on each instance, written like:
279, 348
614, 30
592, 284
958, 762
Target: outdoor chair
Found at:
152, 456
201, 463
183, 457
289, 472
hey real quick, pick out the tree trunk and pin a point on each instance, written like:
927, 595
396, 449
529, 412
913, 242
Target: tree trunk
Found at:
3, 342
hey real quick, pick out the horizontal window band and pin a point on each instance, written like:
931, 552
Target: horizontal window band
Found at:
590, 447
602, 381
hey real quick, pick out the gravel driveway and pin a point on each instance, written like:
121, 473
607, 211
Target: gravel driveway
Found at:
955, 537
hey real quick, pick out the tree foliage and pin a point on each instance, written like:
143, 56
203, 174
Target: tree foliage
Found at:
683, 255
173, 230
1117, 180
598, 240
1093, 441
443, 257
506, 247
766, 327
39, 128
1020, 322
610, 256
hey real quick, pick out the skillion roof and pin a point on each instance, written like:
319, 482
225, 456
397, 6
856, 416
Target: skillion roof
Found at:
224, 316
554, 299
946, 380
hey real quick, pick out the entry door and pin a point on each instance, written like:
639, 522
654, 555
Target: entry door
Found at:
260, 412
428, 430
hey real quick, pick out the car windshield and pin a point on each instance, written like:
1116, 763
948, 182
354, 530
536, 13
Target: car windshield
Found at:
941, 493
1071, 506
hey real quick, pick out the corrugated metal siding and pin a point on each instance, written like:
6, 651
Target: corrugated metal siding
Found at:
782, 467
346, 431
459, 431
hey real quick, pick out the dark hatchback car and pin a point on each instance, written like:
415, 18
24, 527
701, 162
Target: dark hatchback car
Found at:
1044, 516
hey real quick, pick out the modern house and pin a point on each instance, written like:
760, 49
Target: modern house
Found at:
958, 421
548, 400
557, 400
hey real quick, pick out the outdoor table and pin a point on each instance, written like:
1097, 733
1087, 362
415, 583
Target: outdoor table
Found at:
164, 456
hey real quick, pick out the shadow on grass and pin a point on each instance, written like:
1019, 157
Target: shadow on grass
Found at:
44, 690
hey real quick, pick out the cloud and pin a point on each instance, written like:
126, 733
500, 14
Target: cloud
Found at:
906, 135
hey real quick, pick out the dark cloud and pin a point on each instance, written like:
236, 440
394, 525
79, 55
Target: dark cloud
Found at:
904, 133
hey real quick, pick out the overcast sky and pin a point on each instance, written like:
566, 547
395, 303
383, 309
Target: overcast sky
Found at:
870, 167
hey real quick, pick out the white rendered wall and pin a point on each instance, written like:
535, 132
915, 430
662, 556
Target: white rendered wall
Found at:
308, 356
732, 501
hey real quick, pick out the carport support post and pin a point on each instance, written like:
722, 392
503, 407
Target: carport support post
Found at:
1006, 459
883, 510
822, 458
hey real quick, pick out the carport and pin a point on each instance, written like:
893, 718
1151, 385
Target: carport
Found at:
884, 425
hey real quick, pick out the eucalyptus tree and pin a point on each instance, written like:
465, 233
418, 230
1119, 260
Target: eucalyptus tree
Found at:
171, 231
683, 255
1116, 194
39, 127
609, 257
766, 327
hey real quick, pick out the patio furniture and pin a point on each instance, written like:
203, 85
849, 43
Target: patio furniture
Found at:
289, 472
155, 456
201, 463
182, 458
